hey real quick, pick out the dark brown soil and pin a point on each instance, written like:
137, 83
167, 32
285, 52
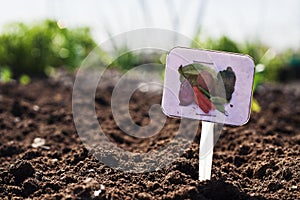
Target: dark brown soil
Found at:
257, 161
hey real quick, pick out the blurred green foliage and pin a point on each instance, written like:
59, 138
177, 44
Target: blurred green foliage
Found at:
5, 74
24, 79
36, 50
33, 50
268, 62
126, 59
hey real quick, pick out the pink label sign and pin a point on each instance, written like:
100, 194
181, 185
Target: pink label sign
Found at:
208, 85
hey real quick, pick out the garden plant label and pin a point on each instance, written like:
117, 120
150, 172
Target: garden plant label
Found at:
208, 85
211, 86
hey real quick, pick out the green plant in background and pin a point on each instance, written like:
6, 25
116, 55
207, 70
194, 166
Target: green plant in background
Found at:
126, 61
24, 79
222, 44
31, 50
5, 74
268, 62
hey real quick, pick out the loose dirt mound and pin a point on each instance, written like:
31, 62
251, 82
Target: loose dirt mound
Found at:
257, 161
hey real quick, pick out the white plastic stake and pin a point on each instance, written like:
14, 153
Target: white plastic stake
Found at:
206, 150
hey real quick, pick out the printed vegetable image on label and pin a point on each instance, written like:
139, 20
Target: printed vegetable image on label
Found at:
208, 85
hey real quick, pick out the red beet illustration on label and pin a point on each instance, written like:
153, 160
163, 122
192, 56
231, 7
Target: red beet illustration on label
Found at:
207, 88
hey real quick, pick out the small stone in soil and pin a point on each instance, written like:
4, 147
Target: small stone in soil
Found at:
97, 193
102, 187
45, 147
294, 187
38, 142
36, 108
17, 119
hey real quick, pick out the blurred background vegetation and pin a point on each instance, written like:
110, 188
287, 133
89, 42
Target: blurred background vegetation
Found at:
269, 63
266, 30
36, 50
